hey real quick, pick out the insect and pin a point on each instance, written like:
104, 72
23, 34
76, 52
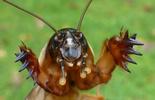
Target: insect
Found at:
66, 62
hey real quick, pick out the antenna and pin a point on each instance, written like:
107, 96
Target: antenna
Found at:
83, 14
32, 14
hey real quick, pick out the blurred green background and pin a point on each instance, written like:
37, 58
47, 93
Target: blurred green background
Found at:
103, 20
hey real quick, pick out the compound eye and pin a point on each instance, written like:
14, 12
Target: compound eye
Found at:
78, 35
59, 37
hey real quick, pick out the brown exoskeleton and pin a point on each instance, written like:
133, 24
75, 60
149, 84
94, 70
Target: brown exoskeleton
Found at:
66, 63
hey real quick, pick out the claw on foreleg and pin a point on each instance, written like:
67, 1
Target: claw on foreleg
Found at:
125, 67
30, 74
20, 56
128, 59
24, 65
131, 51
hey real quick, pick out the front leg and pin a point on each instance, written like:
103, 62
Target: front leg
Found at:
29, 61
115, 51
44, 71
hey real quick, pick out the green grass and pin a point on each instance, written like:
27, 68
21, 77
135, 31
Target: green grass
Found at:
103, 20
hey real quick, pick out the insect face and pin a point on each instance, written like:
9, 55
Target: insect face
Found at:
69, 43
